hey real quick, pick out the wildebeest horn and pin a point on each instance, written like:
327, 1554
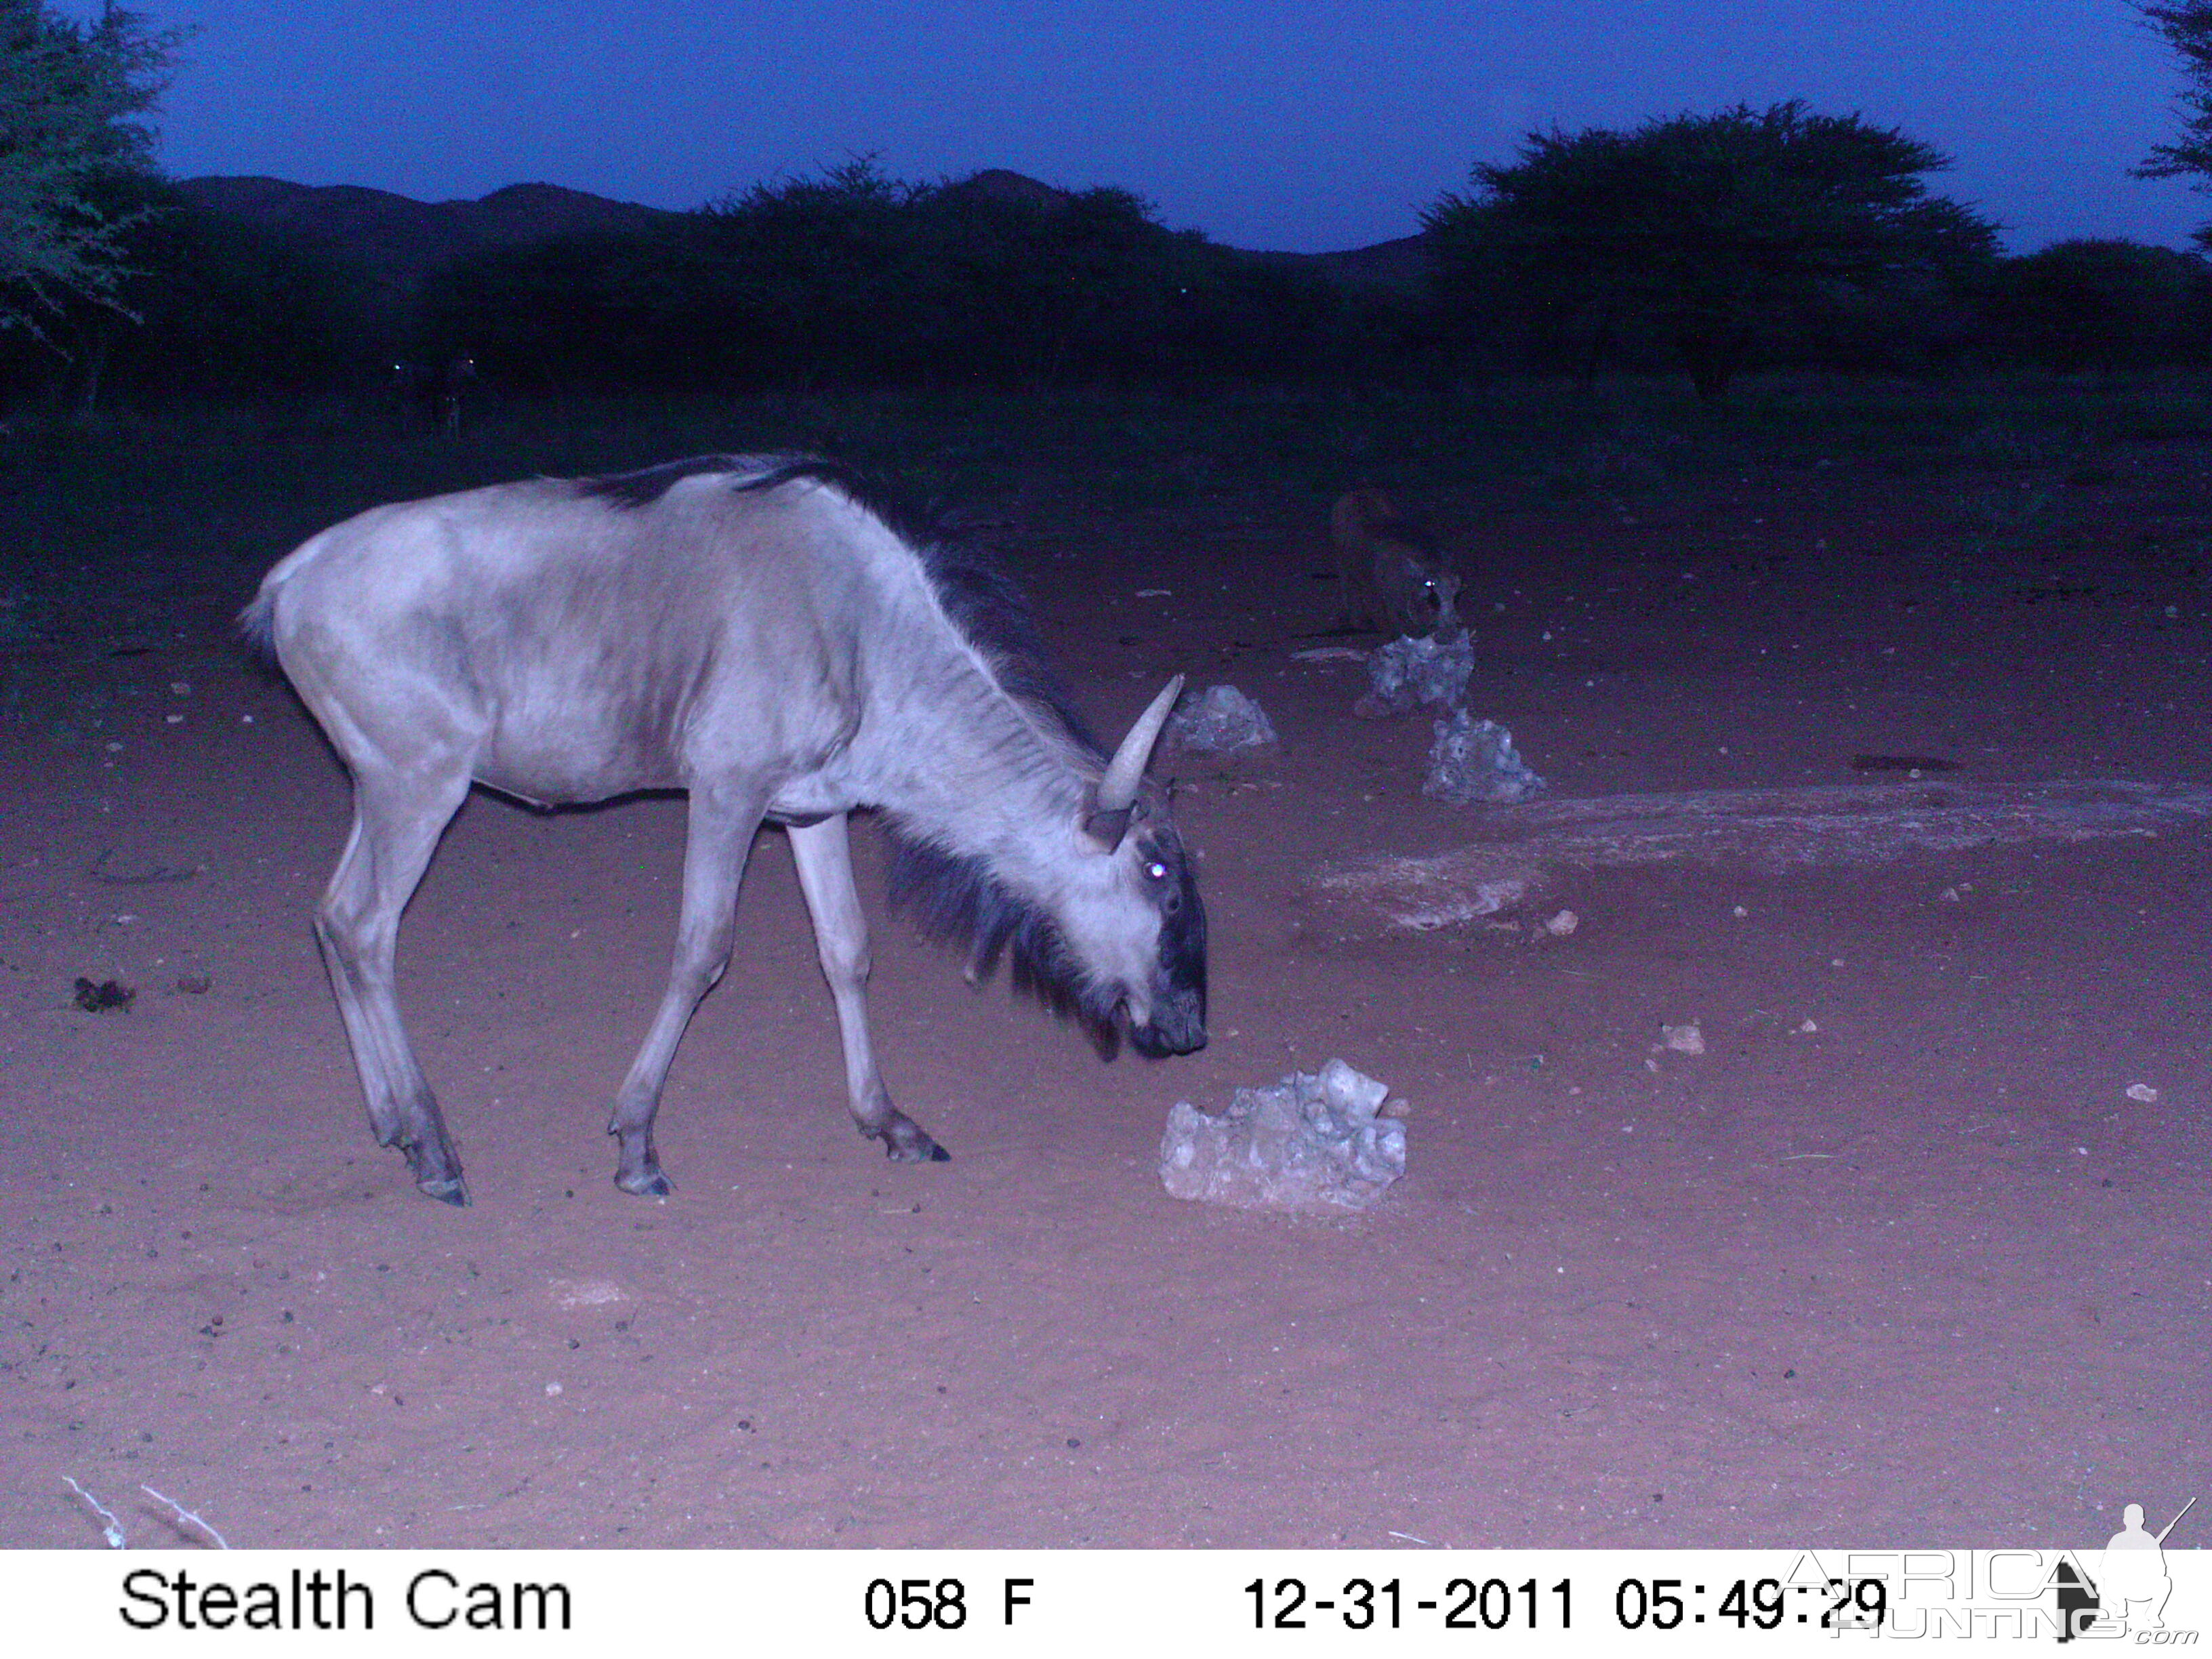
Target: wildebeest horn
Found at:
1117, 790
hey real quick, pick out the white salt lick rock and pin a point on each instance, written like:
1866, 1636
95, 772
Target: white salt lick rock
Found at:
1319, 1144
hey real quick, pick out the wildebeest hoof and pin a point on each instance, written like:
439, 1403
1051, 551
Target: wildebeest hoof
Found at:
437, 1171
651, 1183
446, 1189
905, 1142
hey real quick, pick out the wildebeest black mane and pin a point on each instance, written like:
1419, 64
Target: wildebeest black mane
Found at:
983, 602
956, 900
647, 484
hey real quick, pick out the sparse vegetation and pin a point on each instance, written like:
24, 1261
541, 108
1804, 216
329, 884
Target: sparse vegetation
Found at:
74, 157
2100, 306
1712, 245
2187, 27
854, 278
1712, 239
230, 488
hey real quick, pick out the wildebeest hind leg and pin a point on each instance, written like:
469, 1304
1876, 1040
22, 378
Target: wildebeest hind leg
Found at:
398, 818
720, 834
824, 856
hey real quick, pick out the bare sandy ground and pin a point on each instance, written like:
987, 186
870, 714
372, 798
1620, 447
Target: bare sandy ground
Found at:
1896, 1260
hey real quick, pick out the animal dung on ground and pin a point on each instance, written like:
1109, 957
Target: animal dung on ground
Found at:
1321, 1144
1474, 760
1220, 721
108, 996
1410, 673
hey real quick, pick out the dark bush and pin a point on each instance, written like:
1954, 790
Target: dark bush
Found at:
209, 308
1718, 240
853, 278
2104, 304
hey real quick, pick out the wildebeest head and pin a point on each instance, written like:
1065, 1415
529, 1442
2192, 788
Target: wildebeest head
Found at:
1420, 593
1118, 941
1141, 924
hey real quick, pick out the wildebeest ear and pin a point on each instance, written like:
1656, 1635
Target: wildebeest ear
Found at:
1104, 828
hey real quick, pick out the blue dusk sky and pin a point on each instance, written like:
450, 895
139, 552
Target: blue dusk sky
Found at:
1298, 125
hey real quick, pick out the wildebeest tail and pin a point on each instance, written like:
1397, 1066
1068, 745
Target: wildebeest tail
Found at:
256, 626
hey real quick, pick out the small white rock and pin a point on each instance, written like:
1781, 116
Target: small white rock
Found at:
1563, 924
1221, 721
2143, 1092
1686, 1039
552, 1387
1805, 1028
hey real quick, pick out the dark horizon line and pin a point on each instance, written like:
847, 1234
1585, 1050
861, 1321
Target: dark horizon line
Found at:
645, 207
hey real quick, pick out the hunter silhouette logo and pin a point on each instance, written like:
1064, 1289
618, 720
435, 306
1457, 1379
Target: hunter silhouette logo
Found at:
2131, 1585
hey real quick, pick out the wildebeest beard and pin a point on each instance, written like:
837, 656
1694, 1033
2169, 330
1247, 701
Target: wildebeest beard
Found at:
956, 901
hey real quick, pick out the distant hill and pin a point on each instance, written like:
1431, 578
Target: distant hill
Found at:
1401, 262
398, 239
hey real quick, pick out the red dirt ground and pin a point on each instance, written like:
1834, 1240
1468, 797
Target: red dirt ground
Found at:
1924, 1275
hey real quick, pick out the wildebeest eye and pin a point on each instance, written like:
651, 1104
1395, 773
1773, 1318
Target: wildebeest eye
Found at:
1156, 872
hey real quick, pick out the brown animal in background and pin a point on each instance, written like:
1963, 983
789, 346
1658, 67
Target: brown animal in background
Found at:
1391, 573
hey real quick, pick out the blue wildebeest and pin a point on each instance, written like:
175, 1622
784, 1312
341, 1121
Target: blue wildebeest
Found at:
763, 632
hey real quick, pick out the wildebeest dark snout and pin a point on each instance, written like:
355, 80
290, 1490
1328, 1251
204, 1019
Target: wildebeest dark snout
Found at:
1177, 1027
1175, 1024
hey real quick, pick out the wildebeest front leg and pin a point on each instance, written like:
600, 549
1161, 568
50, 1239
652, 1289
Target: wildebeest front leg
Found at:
824, 856
398, 818
720, 835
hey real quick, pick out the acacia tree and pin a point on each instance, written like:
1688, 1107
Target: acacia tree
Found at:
74, 158
1703, 231
2187, 27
